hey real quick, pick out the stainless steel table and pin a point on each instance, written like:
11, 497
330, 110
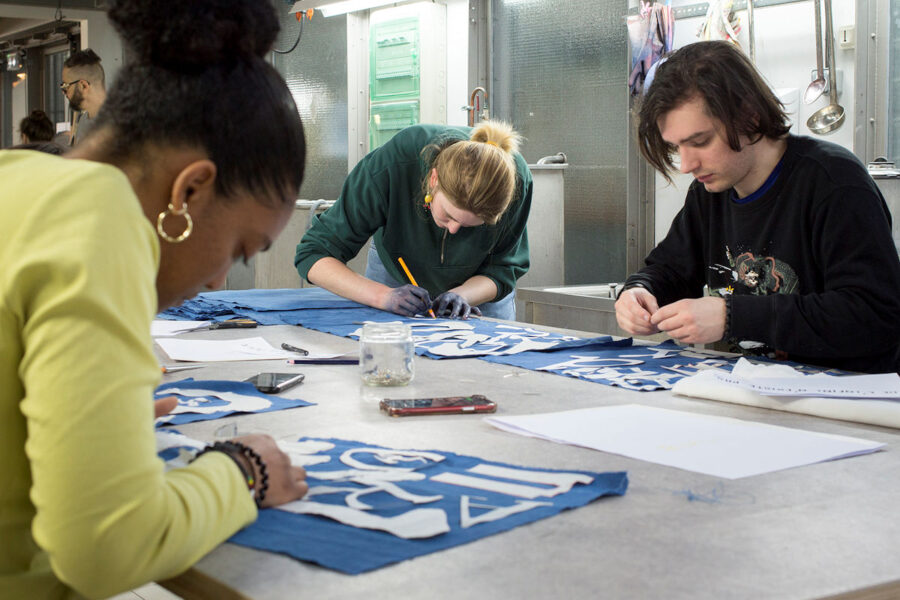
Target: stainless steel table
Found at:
825, 530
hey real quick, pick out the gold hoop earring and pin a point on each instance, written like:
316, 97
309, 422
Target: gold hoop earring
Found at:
189, 227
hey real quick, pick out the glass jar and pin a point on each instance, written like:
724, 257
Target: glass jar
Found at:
386, 353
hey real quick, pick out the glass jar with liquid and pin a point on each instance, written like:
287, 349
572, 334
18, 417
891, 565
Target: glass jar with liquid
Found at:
386, 354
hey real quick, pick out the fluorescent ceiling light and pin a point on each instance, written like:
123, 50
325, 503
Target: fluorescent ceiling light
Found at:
330, 8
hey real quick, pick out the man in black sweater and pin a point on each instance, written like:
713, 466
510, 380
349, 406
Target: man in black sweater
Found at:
790, 234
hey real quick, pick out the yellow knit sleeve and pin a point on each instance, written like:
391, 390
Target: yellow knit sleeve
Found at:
107, 515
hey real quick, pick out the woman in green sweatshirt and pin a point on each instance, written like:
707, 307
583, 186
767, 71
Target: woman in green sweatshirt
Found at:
452, 202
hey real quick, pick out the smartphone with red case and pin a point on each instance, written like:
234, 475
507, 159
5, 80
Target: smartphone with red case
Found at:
437, 406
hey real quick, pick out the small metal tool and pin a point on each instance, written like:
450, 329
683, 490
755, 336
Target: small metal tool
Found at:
229, 324
289, 348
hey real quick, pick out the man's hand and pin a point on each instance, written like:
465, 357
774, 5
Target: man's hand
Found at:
692, 321
408, 300
634, 308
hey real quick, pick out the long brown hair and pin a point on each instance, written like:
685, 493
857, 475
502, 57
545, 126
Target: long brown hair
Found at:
732, 89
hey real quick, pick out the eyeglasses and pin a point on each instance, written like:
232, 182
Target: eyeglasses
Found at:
64, 86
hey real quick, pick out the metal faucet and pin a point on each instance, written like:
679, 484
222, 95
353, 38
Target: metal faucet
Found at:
473, 108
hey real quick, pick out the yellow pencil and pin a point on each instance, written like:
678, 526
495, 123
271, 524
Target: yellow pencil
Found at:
412, 280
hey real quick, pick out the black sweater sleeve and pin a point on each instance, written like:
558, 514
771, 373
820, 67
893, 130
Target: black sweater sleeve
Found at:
675, 268
853, 319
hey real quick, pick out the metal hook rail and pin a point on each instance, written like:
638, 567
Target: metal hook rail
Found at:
699, 9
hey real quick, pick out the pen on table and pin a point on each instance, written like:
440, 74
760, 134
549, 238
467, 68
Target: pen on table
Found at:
323, 361
176, 368
412, 280
289, 348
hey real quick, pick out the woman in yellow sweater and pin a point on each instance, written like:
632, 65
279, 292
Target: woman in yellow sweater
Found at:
195, 161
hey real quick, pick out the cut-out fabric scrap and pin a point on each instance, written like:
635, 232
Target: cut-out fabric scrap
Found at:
207, 400
447, 338
267, 307
175, 448
320, 310
370, 506
622, 364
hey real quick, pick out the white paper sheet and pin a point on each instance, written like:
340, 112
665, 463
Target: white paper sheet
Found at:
162, 328
255, 348
718, 446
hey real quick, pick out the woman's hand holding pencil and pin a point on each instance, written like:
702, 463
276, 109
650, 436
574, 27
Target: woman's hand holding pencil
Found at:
408, 300
412, 280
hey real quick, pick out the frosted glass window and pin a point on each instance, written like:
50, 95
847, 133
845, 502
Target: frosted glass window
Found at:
316, 74
894, 84
560, 75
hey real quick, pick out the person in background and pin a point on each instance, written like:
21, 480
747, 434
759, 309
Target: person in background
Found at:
790, 234
153, 206
48, 147
36, 127
84, 85
453, 202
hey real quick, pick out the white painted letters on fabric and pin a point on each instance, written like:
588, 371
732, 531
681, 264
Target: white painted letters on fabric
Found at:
413, 524
498, 512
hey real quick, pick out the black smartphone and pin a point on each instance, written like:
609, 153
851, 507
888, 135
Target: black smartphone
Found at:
273, 383
437, 406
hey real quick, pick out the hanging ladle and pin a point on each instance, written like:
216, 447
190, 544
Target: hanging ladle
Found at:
831, 117
817, 86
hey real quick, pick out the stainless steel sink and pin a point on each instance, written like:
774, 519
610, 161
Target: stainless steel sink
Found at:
605, 290
588, 308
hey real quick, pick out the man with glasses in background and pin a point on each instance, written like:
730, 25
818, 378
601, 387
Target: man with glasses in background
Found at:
84, 85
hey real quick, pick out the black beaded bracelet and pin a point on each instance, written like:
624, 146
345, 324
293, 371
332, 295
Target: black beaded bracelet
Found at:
232, 450
254, 457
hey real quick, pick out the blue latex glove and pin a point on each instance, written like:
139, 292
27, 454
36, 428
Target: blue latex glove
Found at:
453, 306
408, 300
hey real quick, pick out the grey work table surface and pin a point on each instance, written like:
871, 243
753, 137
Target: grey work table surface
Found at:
822, 530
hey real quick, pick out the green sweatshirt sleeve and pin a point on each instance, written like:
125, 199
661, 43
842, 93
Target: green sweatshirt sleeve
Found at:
342, 230
82, 289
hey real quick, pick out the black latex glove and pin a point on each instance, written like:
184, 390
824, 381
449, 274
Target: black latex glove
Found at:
453, 306
408, 301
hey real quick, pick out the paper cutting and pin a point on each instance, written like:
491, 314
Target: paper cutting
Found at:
446, 338
205, 400
175, 448
621, 364
417, 523
490, 485
495, 513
